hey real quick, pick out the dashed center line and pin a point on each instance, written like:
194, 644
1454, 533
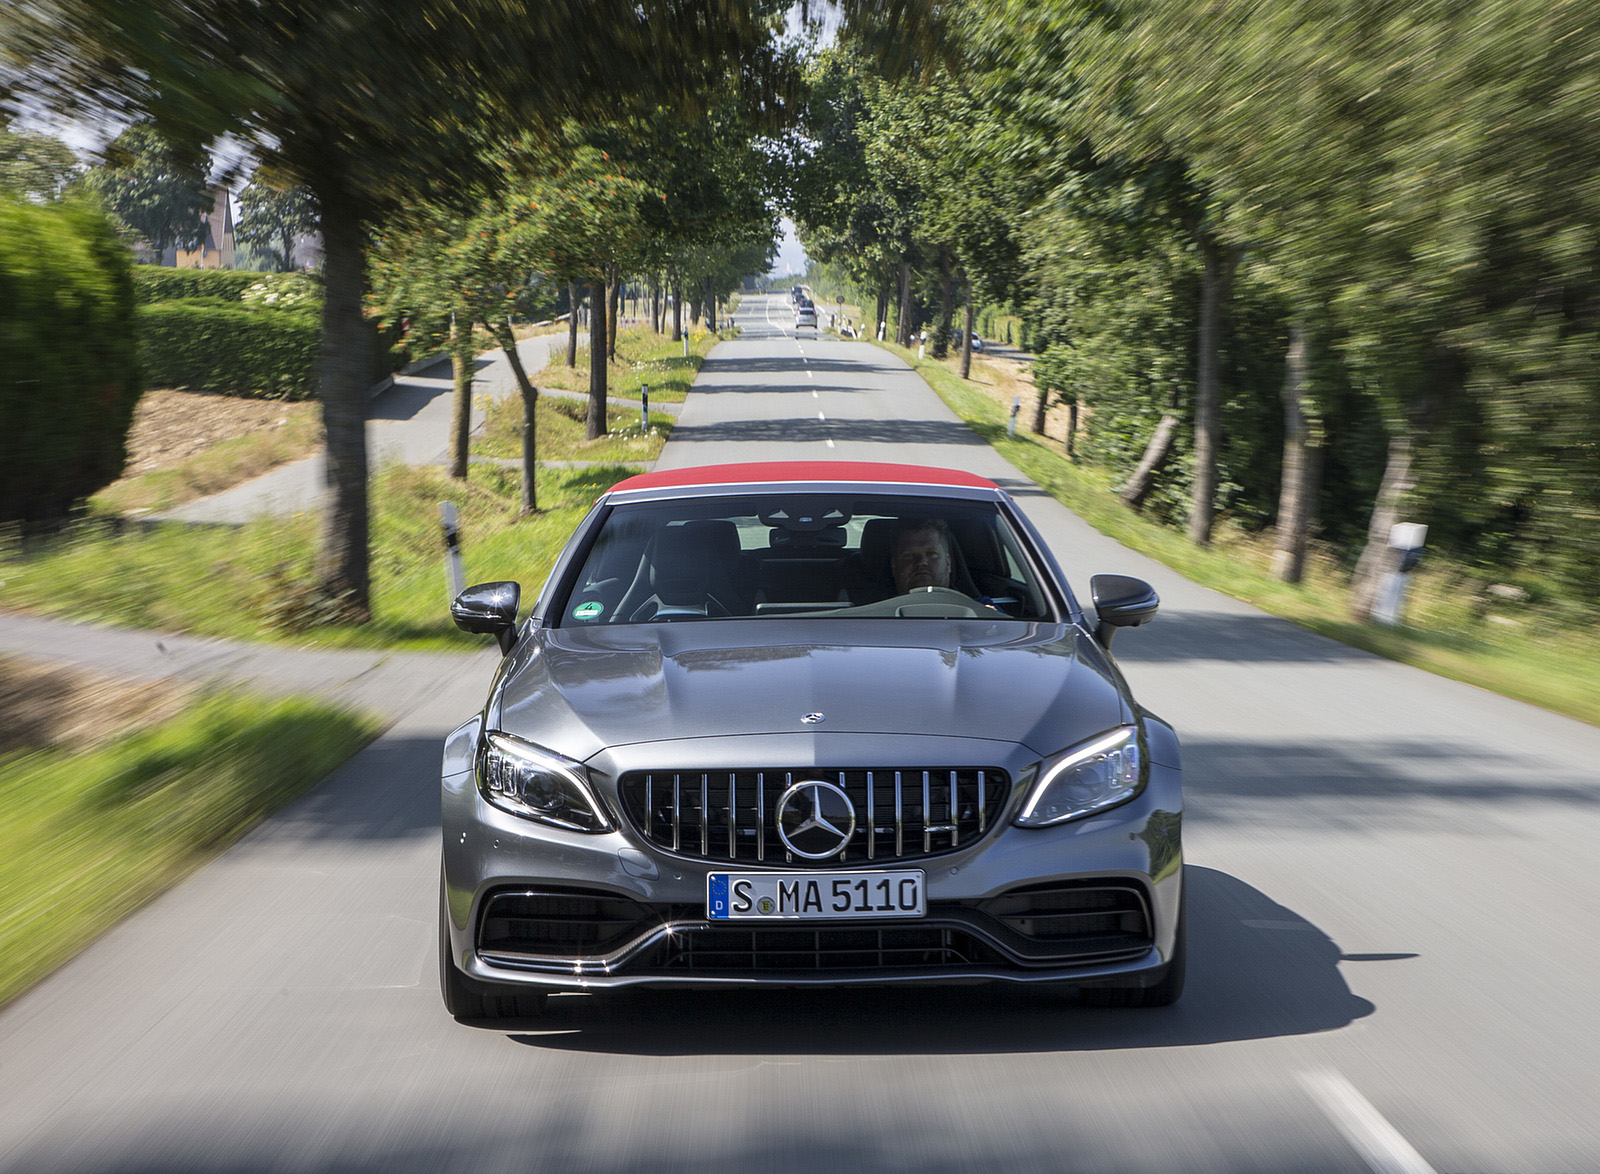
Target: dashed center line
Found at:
1380, 1144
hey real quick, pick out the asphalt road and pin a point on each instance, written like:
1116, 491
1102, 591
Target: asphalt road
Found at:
1393, 903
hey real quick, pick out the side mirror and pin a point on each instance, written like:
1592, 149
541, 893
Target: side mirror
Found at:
1121, 601
491, 610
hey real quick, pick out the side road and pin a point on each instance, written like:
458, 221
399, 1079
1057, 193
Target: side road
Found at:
409, 422
389, 684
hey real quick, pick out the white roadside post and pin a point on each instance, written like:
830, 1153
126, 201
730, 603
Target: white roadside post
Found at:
644, 407
452, 548
1408, 538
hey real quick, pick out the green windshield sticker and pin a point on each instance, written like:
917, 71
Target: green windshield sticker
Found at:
588, 611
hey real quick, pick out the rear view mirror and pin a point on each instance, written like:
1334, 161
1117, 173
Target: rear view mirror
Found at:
1121, 601
489, 609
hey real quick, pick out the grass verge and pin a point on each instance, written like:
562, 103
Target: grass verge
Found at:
560, 423
1450, 631
643, 356
220, 467
88, 836
256, 582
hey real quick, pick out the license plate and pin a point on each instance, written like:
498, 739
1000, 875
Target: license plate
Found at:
814, 896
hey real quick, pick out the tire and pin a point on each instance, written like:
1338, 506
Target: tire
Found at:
468, 1000
1162, 994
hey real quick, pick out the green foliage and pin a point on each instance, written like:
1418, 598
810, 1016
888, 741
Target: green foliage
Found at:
88, 835
33, 166
154, 193
273, 219
212, 347
68, 367
157, 283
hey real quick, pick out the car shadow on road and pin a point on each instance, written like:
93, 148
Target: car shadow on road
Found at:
1256, 970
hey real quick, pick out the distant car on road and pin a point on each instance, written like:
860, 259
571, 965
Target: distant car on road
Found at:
805, 318
808, 723
955, 341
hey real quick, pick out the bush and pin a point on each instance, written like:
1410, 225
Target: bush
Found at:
157, 283
227, 350
69, 373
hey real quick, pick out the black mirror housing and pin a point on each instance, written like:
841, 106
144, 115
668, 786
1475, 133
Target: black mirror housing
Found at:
1121, 601
489, 609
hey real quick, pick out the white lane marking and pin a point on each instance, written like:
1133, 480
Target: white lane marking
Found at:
820, 416
830, 443
1380, 1144
814, 394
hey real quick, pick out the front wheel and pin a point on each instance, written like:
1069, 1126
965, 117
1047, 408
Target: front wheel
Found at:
467, 999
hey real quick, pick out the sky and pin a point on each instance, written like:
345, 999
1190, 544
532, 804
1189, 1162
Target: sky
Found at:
791, 256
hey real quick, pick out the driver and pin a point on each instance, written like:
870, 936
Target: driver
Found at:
919, 555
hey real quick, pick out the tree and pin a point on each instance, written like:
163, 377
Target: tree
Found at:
373, 108
274, 219
35, 166
156, 195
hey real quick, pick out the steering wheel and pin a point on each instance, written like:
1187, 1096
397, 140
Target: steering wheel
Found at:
651, 609
935, 597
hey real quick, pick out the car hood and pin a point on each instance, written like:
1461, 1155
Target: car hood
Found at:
580, 690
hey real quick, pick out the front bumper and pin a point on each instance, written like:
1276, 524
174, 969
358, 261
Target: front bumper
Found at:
655, 901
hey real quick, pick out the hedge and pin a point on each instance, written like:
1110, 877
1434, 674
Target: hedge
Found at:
69, 374
157, 283
209, 347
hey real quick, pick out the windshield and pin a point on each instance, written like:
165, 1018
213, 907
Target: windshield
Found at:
818, 555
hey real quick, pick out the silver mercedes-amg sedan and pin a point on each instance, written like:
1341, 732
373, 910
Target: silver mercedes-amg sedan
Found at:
808, 723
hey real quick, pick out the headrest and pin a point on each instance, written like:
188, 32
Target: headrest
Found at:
690, 558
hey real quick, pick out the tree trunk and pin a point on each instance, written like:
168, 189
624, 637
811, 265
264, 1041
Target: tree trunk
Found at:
966, 339
530, 404
1378, 558
677, 312
1072, 428
614, 305
947, 305
1298, 487
1041, 405
881, 318
343, 566
711, 306
655, 305
461, 366
1155, 455
1216, 280
572, 324
595, 425
902, 334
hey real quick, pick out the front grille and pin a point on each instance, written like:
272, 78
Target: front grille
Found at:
900, 814
559, 924
724, 950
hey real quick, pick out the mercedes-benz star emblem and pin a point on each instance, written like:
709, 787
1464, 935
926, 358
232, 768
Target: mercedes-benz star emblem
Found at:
815, 820
811, 719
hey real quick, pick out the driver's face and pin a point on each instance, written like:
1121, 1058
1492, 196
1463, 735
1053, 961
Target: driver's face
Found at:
920, 560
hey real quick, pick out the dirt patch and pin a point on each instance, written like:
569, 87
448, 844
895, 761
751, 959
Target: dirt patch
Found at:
44, 705
1002, 379
169, 427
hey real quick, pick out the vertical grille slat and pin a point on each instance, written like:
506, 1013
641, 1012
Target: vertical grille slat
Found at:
872, 826
935, 810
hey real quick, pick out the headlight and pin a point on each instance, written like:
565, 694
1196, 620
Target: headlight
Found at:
535, 783
1086, 779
